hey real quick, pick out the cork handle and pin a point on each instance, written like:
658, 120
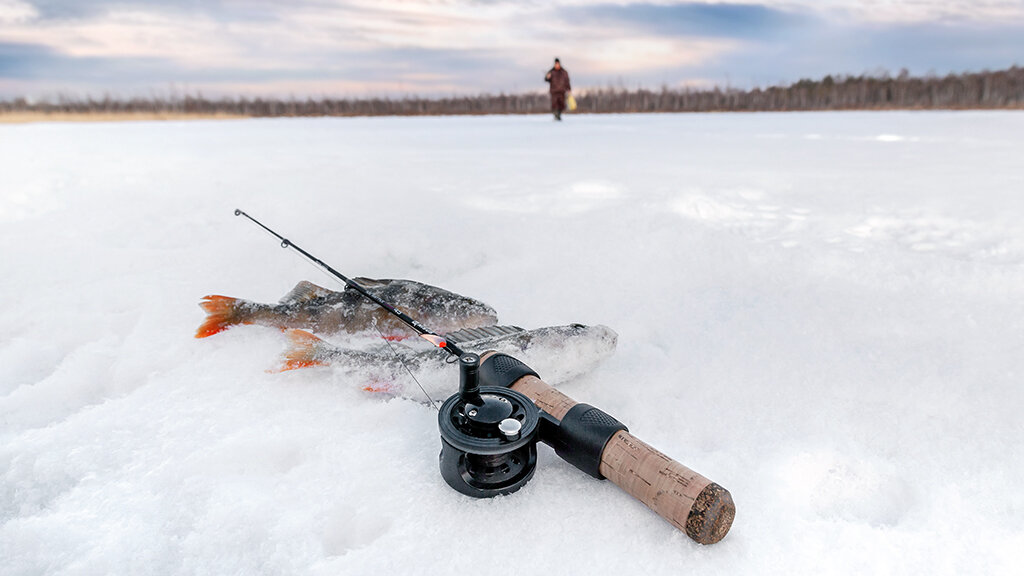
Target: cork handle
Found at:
544, 396
689, 501
697, 506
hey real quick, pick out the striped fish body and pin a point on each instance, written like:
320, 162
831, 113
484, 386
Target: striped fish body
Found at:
311, 307
558, 353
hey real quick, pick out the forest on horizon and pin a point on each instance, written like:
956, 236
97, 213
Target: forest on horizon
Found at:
1000, 89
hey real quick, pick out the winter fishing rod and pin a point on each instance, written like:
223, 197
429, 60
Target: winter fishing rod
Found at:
424, 333
490, 429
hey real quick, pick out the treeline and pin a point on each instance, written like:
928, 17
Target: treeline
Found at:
266, 107
983, 90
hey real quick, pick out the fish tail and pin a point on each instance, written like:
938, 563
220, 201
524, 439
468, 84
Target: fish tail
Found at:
304, 350
221, 313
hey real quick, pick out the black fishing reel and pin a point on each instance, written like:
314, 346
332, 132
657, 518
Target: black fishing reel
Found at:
488, 436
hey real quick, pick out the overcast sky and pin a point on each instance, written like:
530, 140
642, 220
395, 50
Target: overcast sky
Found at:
439, 47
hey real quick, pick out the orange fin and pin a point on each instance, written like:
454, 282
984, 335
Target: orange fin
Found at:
304, 350
380, 387
221, 314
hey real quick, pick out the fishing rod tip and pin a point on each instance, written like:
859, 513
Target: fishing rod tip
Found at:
238, 212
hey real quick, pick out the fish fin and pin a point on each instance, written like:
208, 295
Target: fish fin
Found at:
370, 282
304, 292
484, 332
221, 314
304, 350
380, 387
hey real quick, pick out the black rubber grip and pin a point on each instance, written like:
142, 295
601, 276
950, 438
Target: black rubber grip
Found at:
503, 370
581, 436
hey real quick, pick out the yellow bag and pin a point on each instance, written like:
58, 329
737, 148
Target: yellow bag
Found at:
570, 102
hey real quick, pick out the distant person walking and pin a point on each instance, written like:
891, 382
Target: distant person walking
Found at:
558, 78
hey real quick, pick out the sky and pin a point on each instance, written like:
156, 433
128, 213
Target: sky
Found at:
363, 48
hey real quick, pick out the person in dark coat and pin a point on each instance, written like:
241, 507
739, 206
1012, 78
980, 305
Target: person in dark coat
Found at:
558, 78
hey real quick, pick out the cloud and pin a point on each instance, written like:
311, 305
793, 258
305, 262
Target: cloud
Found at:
859, 48
78, 10
738, 21
439, 47
746, 45
310, 43
944, 46
45, 65
16, 12
22, 60
376, 72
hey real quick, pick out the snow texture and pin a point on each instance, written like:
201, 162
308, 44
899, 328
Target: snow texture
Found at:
822, 312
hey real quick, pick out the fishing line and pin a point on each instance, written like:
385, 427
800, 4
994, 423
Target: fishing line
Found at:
404, 365
394, 352
338, 277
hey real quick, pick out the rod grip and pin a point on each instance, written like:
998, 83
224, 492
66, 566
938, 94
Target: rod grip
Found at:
702, 509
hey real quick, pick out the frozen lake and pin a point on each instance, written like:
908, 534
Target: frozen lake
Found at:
823, 312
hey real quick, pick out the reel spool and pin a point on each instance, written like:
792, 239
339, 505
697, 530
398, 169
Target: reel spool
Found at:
488, 436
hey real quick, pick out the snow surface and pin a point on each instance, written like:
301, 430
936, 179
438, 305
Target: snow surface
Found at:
822, 312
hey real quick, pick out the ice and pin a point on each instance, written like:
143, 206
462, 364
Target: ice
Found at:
822, 312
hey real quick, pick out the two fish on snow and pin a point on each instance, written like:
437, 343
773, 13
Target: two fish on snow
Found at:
557, 353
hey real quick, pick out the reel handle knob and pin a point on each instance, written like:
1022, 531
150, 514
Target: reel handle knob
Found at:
469, 378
